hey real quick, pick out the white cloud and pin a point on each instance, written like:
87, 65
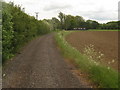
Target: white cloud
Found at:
56, 7
119, 10
100, 10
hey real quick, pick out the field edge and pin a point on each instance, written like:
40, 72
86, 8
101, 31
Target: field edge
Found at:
104, 77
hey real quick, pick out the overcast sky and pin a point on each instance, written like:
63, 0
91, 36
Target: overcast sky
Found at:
99, 10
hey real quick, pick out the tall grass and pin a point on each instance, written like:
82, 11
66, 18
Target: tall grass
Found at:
101, 75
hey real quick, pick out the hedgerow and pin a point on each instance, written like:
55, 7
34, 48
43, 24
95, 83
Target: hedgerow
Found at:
19, 28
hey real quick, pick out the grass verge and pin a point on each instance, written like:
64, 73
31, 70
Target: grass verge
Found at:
101, 75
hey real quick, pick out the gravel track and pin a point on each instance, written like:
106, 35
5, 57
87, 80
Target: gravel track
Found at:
39, 65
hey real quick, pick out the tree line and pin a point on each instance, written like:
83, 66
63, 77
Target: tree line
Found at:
69, 22
19, 28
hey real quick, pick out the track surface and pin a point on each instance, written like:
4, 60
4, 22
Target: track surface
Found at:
39, 65
103, 41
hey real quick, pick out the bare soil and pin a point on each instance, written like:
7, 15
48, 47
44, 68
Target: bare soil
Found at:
105, 42
40, 65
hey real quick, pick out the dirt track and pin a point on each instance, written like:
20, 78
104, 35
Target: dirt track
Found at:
103, 41
39, 65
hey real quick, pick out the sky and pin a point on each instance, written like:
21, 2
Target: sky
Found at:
99, 10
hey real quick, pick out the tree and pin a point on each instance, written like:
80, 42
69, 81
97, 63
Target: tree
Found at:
79, 21
62, 19
56, 23
110, 25
90, 24
70, 22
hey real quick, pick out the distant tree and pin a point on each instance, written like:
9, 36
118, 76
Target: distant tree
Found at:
56, 23
119, 25
110, 25
69, 22
79, 21
90, 24
62, 19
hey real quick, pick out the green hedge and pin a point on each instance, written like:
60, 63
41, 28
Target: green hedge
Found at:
19, 28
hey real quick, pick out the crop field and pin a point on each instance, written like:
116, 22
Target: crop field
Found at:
98, 45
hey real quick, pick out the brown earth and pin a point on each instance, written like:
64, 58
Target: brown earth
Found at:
40, 65
105, 42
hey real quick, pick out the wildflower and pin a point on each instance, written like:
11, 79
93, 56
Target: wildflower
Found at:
4, 75
97, 64
108, 68
113, 61
99, 57
91, 57
102, 54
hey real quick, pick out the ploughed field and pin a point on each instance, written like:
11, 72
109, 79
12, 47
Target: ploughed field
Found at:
101, 46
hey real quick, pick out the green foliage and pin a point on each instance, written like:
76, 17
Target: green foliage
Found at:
19, 28
69, 22
55, 23
7, 31
111, 25
90, 24
106, 78
62, 20
101, 75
